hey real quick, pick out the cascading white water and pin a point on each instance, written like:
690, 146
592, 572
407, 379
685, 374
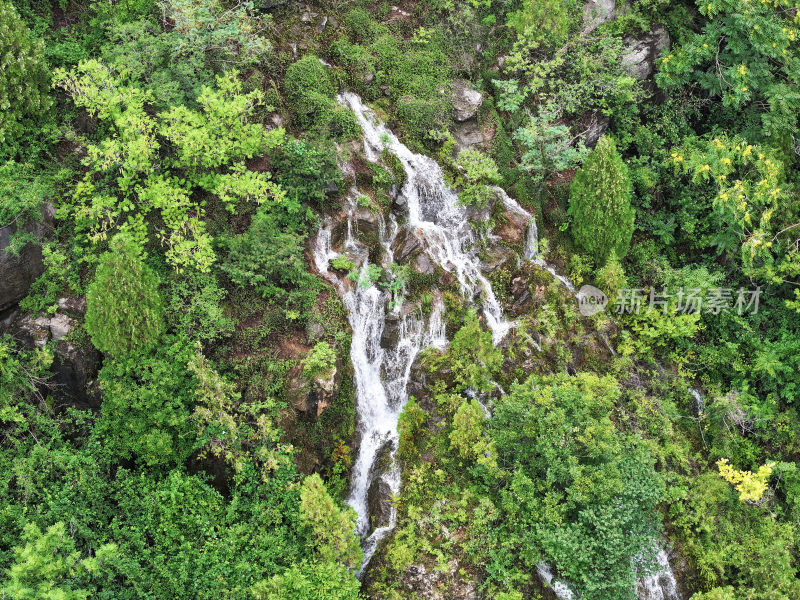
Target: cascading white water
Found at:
662, 585
381, 375
560, 589
531, 249
435, 212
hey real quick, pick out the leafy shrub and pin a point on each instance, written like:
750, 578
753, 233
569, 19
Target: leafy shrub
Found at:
269, 258
194, 306
319, 362
333, 530
124, 309
48, 566
472, 357
549, 146
311, 91
308, 172
580, 495
308, 581
24, 85
468, 437
230, 429
543, 22
744, 54
477, 173
228, 35
146, 400
130, 174
22, 193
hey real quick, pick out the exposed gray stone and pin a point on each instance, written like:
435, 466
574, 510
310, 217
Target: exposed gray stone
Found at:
466, 101
71, 306
75, 375
470, 133
367, 222
436, 584
597, 12
423, 265
641, 52
17, 273
297, 391
60, 326
314, 332
595, 128
34, 333
406, 244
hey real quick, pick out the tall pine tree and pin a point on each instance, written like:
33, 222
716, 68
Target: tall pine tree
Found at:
600, 203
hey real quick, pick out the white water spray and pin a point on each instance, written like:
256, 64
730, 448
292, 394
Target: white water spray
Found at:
435, 213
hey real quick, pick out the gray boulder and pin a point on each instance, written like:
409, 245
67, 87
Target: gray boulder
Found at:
466, 101
597, 12
407, 243
436, 584
641, 52
470, 133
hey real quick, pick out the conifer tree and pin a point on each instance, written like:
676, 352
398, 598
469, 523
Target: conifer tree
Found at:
124, 309
600, 204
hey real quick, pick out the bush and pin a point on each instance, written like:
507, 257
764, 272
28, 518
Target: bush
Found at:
269, 257
124, 310
145, 414
24, 84
307, 171
600, 203
310, 89
580, 494
319, 362
333, 530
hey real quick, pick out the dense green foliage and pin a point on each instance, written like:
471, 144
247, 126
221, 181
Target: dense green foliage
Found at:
23, 88
188, 431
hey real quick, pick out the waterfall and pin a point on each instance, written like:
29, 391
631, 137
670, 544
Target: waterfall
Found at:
662, 585
382, 373
435, 212
531, 249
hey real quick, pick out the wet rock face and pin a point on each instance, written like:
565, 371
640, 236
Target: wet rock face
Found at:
379, 502
367, 222
437, 585
75, 367
379, 492
18, 272
312, 398
466, 101
641, 53
470, 133
406, 244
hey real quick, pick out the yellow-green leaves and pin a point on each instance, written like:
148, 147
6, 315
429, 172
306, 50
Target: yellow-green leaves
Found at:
332, 529
754, 201
751, 486
163, 163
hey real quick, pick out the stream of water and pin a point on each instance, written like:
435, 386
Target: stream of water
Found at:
381, 369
